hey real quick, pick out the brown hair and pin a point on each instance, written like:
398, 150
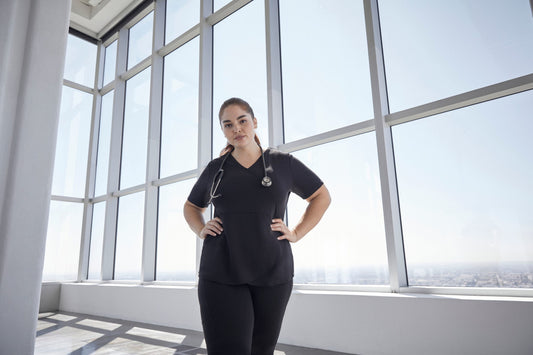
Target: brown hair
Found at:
246, 107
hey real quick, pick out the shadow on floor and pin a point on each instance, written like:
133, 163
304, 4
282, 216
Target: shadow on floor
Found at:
80, 334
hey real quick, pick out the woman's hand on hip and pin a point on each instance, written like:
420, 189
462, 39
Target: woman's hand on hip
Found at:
212, 228
279, 226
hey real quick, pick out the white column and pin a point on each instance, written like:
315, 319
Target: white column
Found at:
33, 37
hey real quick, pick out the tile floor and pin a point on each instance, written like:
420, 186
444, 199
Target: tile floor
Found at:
80, 334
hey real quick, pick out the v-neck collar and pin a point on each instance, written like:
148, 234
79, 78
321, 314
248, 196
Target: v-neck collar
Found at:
251, 166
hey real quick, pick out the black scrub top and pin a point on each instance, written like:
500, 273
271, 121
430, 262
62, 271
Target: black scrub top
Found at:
248, 251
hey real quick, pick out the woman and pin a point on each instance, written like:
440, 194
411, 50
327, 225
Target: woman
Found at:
246, 268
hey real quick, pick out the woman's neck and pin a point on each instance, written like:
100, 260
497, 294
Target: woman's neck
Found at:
247, 155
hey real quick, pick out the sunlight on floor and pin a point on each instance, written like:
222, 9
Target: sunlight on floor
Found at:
71, 333
99, 324
157, 334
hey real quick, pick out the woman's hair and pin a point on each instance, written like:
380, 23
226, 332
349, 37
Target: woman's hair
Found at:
246, 107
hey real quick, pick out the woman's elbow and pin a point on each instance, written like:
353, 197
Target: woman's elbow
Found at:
322, 197
327, 197
190, 208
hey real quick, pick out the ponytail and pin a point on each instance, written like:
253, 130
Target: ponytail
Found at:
227, 148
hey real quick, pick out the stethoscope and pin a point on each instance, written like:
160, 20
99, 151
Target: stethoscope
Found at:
266, 181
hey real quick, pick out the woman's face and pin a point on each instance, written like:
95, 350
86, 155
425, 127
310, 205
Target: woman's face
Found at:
238, 126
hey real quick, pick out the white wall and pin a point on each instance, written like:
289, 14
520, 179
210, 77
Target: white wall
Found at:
50, 295
168, 306
33, 37
358, 323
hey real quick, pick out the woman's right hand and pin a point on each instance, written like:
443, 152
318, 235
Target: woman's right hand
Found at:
212, 228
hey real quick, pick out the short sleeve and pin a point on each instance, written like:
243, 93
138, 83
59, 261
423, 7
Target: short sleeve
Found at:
304, 181
199, 195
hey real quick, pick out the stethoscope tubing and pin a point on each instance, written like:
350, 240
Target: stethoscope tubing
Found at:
266, 181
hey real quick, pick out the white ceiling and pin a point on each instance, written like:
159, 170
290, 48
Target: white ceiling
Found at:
95, 17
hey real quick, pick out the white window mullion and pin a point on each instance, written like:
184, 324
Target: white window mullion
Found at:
387, 170
274, 87
225, 11
205, 99
154, 139
115, 151
77, 86
473, 97
91, 167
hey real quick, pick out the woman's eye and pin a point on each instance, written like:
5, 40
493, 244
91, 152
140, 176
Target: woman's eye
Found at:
227, 125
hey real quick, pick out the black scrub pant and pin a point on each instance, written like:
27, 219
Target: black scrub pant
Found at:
242, 319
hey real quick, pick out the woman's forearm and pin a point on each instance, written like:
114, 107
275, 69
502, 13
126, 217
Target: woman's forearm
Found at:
194, 216
318, 204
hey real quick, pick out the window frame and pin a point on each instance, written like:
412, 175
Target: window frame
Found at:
381, 123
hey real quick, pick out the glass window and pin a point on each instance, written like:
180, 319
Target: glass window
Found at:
176, 243
80, 61
218, 4
63, 241
72, 149
436, 49
110, 62
464, 180
104, 142
240, 67
130, 224
135, 130
97, 240
179, 133
181, 15
338, 251
140, 46
326, 77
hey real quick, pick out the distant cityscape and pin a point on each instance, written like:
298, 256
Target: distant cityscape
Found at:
502, 275
511, 275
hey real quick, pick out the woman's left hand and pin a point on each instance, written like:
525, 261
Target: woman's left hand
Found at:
279, 226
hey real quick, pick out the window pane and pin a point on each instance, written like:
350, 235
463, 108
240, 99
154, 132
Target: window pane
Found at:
80, 61
176, 244
70, 167
140, 46
181, 15
135, 131
326, 78
464, 180
240, 67
110, 62
464, 45
97, 240
179, 133
63, 241
104, 141
218, 4
333, 253
128, 254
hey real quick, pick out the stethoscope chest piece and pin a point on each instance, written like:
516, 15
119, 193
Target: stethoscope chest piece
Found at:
266, 181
